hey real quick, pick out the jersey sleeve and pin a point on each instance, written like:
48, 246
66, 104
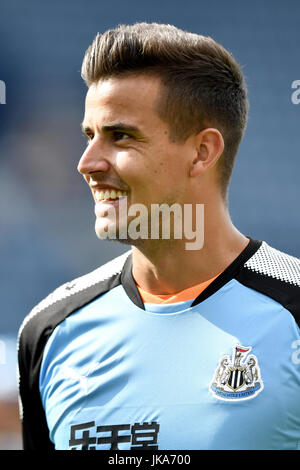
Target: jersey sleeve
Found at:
34, 334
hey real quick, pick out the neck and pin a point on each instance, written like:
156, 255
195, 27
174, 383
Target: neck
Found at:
167, 267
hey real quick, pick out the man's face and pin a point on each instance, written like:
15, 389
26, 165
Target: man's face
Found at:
129, 149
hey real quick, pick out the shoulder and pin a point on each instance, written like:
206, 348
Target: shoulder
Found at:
65, 299
276, 264
34, 333
275, 274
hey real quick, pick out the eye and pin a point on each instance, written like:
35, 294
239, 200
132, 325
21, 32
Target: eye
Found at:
119, 135
89, 138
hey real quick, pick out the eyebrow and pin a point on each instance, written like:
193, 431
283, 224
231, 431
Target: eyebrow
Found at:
118, 126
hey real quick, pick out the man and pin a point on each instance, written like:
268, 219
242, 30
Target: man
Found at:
168, 346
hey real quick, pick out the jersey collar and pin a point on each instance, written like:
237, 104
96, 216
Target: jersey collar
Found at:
229, 273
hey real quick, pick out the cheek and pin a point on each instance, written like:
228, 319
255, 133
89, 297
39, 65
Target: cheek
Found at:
171, 169
136, 168
129, 162
152, 172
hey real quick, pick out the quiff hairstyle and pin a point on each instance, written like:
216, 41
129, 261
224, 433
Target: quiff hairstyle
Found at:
203, 85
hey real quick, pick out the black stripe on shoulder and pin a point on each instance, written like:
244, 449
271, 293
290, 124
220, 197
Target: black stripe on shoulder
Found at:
275, 274
229, 272
73, 295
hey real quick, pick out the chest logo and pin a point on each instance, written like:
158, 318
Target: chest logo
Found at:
238, 377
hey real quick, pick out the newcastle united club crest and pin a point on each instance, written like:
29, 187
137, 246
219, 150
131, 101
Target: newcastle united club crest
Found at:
238, 377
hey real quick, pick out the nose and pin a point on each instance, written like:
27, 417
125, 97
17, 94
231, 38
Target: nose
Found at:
92, 160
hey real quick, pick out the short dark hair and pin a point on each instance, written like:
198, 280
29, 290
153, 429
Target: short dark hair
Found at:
203, 85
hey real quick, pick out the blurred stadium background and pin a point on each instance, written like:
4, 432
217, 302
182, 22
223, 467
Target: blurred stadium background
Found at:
47, 220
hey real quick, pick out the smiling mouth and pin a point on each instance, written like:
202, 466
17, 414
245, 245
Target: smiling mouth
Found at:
109, 195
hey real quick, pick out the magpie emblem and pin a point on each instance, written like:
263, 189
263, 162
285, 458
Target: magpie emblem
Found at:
238, 377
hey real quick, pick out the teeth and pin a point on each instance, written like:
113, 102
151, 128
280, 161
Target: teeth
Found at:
109, 194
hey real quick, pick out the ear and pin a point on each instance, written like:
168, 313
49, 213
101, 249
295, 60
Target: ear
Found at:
209, 145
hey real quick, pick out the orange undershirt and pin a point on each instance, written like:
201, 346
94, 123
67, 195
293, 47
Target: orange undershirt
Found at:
186, 294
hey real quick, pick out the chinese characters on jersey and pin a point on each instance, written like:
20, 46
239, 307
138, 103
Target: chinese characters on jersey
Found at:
86, 436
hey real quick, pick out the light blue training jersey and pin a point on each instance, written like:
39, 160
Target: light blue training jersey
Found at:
99, 369
222, 373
